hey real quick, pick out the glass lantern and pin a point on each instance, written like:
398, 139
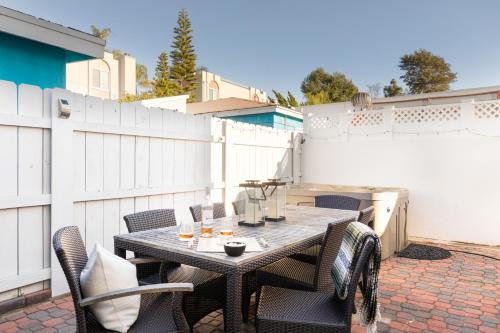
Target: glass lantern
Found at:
255, 204
275, 191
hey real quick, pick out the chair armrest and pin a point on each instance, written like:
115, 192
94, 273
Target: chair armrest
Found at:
149, 289
140, 261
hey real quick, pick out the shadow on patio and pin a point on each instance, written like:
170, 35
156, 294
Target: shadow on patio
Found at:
459, 294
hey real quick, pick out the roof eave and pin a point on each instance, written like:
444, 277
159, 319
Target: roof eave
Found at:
30, 27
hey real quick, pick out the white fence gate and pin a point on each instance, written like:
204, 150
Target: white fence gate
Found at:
108, 160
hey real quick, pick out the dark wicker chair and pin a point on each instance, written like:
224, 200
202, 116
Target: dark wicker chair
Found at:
337, 202
219, 211
366, 216
310, 255
296, 274
142, 221
161, 304
294, 311
209, 287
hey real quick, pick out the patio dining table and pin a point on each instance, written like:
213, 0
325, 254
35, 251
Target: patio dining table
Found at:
303, 228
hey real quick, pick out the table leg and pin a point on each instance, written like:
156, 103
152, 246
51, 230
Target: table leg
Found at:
233, 303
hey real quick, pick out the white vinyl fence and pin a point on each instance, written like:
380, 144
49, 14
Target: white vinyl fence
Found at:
107, 160
446, 155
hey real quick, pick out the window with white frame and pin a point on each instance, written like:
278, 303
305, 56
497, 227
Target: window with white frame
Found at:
213, 91
100, 79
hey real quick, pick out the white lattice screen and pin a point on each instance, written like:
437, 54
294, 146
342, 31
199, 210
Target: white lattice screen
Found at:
320, 122
487, 110
427, 114
368, 118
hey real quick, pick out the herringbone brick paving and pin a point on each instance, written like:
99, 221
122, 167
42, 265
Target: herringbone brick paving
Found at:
459, 294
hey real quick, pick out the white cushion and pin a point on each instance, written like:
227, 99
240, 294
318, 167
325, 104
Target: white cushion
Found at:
105, 272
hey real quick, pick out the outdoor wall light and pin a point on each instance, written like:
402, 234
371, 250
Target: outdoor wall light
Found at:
64, 109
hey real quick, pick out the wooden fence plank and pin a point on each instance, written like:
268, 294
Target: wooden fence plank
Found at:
30, 239
8, 97
94, 224
30, 161
127, 162
111, 162
30, 101
111, 222
8, 243
141, 162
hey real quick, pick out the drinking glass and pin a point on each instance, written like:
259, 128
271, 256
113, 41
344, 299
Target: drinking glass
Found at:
186, 230
227, 226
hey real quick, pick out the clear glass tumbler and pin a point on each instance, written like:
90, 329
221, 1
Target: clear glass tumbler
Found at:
186, 230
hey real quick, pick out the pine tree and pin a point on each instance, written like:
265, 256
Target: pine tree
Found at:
292, 101
183, 71
162, 86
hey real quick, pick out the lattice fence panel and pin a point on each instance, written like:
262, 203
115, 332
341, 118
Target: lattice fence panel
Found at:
487, 110
370, 118
320, 122
426, 114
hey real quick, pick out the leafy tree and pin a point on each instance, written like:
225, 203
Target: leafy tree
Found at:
374, 89
271, 100
322, 87
162, 86
393, 89
280, 98
426, 72
100, 33
183, 56
292, 101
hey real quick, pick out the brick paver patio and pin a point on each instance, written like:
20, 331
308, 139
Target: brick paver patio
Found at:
459, 294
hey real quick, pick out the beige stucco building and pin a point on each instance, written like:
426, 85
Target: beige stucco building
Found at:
210, 87
106, 78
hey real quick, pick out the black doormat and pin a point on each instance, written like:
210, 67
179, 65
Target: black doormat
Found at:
424, 252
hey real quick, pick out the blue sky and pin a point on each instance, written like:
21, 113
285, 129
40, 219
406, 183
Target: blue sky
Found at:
275, 44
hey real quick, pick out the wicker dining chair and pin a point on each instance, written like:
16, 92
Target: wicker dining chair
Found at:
337, 202
143, 221
219, 211
161, 304
209, 287
366, 216
310, 255
287, 310
296, 274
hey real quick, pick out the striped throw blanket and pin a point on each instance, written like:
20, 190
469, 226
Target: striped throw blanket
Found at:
343, 268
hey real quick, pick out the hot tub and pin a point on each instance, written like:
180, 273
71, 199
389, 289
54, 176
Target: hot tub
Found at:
391, 208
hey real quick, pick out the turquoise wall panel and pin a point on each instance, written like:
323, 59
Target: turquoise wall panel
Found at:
271, 119
263, 119
282, 121
26, 61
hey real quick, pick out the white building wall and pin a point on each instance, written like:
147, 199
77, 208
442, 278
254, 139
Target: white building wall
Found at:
227, 88
122, 80
446, 156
